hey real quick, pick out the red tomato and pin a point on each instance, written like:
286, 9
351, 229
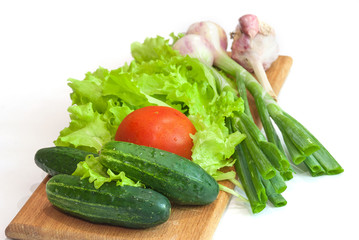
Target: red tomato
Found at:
159, 127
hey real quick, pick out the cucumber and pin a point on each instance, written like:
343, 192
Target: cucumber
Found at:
181, 180
60, 160
125, 206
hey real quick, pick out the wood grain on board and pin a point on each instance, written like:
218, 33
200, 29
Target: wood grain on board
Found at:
38, 219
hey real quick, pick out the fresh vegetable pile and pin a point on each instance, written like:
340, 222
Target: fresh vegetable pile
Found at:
160, 76
166, 125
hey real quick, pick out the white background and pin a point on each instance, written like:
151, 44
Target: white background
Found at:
43, 43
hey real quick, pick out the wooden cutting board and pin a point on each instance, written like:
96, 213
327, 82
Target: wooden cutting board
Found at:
38, 219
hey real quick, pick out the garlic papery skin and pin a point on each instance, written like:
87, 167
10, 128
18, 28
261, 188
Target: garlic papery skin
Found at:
212, 32
195, 46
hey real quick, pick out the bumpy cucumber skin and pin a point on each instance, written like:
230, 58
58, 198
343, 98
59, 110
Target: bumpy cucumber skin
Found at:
125, 206
181, 180
60, 160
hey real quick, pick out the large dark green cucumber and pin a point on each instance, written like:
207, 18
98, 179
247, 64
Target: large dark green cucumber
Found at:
181, 180
60, 160
125, 206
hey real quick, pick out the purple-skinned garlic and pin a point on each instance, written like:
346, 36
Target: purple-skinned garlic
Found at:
212, 33
255, 47
195, 46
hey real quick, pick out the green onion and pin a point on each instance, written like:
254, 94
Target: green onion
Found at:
273, 154
300, 138
278, 183
245, 177
326, 160
212, 36
256, 177
287, 175
251, 181
276, 157
252, 128
314, 166
266, 121
243, 94
296, 155
275, 198
260, 162
264, 166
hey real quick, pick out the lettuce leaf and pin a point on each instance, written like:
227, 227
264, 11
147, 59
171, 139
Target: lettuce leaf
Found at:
153, 48
158, 75
91, 168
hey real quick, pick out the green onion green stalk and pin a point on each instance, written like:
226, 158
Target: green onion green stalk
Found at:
298, 137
